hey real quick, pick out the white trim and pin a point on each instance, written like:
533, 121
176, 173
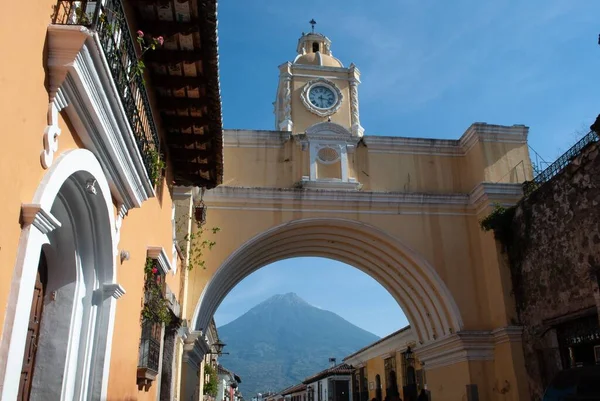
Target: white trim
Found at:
508, 334
159, 254
329, 184
97, 113
32, 238
318, 70
481, 194
456, 348
41, 219
114, 290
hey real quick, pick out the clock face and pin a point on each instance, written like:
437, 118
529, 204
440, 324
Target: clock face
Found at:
321, 96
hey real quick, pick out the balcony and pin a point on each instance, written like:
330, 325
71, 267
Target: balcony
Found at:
108, 21
132, 118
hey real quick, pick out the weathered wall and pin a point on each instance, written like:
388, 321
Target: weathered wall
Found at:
553, 246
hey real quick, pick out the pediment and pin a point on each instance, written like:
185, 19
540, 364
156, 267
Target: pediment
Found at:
328, 129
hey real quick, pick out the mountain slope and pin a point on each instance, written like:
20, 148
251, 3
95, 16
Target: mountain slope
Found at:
283, 340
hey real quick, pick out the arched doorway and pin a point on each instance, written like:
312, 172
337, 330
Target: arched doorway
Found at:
69, 229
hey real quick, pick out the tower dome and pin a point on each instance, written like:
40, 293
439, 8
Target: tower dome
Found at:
315, 49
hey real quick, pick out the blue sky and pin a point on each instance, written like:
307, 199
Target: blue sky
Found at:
429, 68
323, 283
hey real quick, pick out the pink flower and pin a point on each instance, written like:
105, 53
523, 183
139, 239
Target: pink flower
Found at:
154, 270
158, 279
160, 40
140, 34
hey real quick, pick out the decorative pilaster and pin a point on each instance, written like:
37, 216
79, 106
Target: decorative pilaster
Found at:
286, 123
356, 128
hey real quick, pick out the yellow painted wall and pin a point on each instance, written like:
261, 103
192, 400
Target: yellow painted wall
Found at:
273, 167
440, 239
24, 104
303, 118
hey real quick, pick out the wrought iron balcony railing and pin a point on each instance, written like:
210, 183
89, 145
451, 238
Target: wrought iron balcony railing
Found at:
149, 352
553, 169
107, 18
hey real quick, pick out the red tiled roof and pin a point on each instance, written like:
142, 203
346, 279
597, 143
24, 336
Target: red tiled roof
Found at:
294, 389
342, 369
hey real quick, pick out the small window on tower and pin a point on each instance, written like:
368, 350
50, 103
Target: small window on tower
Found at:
315, 47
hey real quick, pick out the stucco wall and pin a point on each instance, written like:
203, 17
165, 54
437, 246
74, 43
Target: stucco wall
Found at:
24, 105
553, 245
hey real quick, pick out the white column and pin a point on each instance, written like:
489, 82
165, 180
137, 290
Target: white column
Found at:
344, 162
313, 161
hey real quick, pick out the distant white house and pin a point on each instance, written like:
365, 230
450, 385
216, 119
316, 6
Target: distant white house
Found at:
227, 388
332, 384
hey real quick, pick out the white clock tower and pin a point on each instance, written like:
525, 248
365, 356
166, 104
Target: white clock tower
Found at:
317, 102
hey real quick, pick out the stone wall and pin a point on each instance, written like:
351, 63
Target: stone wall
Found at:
552, 241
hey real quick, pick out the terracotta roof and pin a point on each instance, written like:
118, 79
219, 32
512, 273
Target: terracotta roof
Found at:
378, 342
184, 81
294, 389
341, 369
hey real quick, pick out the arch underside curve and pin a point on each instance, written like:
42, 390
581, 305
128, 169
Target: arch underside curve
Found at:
412, 282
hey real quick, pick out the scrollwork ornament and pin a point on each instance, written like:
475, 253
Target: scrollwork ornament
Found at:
51, 134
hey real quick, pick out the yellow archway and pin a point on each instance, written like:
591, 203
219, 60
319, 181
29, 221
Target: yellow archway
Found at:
407, 276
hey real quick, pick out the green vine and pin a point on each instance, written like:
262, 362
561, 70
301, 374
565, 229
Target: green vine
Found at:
499, 221
197, 242
198, 246
156, 166
146, 43
156, 307
211, 385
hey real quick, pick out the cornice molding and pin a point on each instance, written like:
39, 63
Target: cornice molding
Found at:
159, 254
318, 69
370, 202
456, 348
486, 193
97, 113
255, 139
329, 185
37, 216
476, 133
184, 193
466, 346
64, 43
511, 334
194, 349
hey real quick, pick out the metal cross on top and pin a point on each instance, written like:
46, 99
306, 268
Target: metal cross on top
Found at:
312, 24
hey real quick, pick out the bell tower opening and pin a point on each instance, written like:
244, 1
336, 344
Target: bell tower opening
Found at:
315, 47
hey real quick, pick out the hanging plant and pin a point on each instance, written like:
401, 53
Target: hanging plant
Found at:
211, 386
156, 307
